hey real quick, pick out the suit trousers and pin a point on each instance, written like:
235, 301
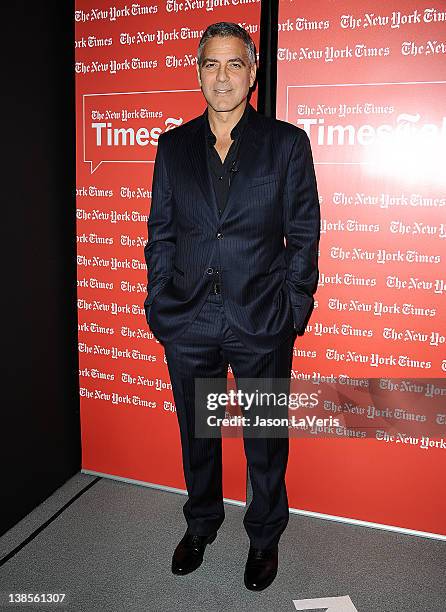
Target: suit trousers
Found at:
204, 350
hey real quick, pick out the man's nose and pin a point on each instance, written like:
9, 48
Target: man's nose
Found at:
222, 74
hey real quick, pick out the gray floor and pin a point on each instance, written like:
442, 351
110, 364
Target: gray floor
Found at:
111, 550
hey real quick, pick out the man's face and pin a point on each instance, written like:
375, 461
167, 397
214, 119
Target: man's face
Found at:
225, 74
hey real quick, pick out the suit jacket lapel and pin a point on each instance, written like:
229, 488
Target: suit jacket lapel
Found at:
200, 167
247, 157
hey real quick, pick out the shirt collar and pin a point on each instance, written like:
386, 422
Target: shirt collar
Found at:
236, 130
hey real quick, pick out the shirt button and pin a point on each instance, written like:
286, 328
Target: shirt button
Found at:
219, 235
220, 178
210, 271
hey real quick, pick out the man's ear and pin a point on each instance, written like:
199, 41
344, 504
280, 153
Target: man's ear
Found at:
252, 76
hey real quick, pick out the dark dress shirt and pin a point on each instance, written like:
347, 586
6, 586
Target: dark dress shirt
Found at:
221, 173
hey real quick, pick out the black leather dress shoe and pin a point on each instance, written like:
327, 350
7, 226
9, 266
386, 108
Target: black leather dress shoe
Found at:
188, 554
261, 568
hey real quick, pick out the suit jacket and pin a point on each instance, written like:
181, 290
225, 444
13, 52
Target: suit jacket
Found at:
267, 283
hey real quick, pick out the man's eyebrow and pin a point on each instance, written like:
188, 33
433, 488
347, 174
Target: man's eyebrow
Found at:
232, 59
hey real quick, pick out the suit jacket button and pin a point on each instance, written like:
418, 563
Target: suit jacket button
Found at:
219, 235
210, 271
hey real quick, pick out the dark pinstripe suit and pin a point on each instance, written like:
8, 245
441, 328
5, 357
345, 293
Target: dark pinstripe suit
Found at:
266, 293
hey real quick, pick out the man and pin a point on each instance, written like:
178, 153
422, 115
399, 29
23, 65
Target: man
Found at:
223, 287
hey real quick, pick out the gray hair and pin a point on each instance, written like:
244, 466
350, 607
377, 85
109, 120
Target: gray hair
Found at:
225, 29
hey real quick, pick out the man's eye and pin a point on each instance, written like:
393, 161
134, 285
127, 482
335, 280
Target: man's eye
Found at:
209, 65
236, 65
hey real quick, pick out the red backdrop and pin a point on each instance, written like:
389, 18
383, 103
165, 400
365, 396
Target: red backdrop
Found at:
363, 85
365, 81
135, 78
